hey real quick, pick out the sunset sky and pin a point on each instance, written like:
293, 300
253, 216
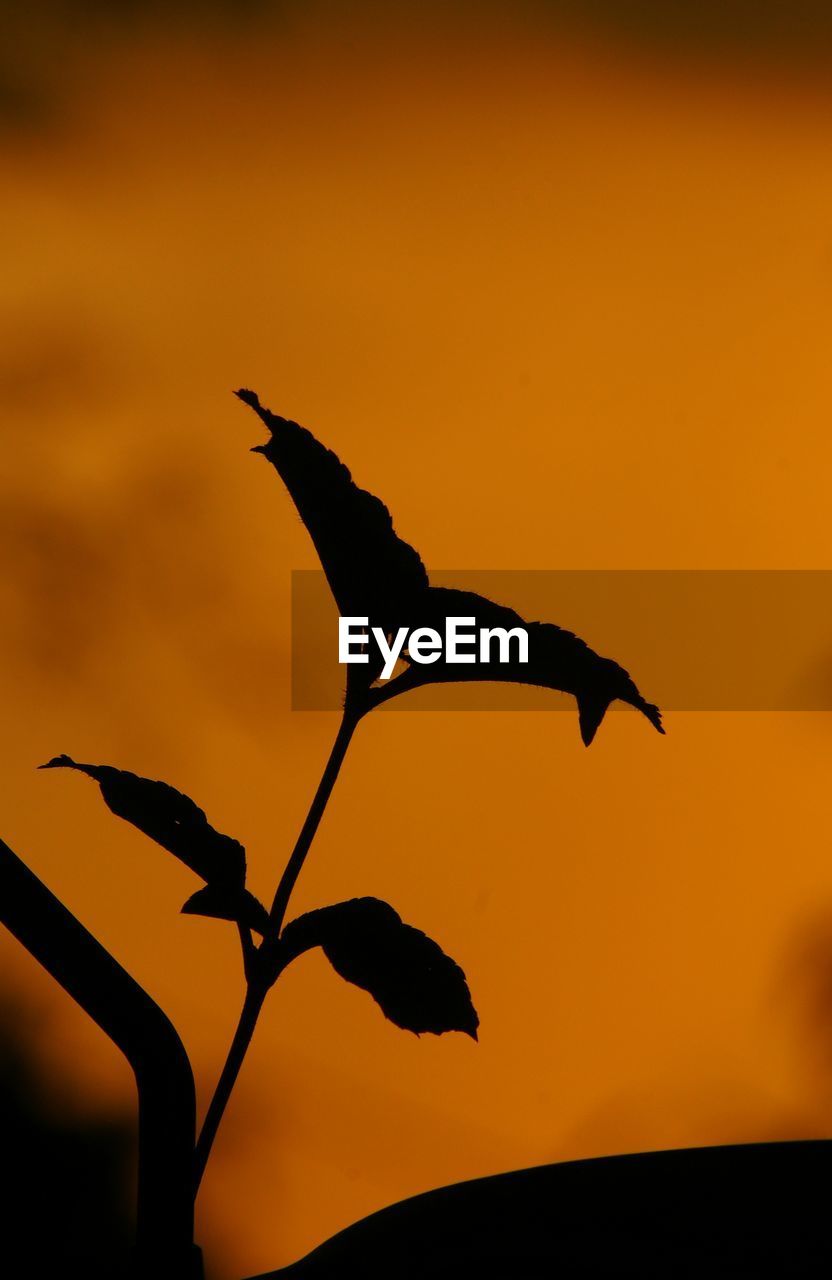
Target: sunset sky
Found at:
560, 292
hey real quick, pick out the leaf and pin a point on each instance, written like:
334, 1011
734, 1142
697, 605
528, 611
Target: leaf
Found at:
222, 904
180, 826
558, 659
370, 569
372, 572
409, 976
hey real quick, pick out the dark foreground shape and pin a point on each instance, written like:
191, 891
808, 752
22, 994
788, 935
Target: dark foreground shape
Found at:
165, 1247
710, 1213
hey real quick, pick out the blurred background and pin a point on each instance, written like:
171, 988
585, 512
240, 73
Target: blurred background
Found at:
556, 281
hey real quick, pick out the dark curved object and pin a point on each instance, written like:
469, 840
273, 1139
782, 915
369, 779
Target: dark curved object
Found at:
125, 1012
709, 1213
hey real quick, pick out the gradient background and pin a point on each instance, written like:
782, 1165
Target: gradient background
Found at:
556, 280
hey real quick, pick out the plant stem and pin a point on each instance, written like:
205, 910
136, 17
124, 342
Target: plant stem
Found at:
253, 1003
313, 818
259, 981
248, 949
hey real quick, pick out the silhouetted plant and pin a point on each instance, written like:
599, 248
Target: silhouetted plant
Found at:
372, 572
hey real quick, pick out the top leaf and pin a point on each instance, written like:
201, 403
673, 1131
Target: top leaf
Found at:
373, 573
370, 569
418, 987
180, 826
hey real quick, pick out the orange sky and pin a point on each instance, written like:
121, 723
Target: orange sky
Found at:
598, 286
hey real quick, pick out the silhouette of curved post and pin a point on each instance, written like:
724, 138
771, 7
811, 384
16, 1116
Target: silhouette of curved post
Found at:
125, 1012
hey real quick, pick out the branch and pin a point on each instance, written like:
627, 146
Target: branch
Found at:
253, 1003
329, 777
264, 964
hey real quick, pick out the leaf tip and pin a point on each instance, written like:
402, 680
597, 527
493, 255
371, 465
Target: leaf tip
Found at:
652, 712
591, 711
252, 399
62, 761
